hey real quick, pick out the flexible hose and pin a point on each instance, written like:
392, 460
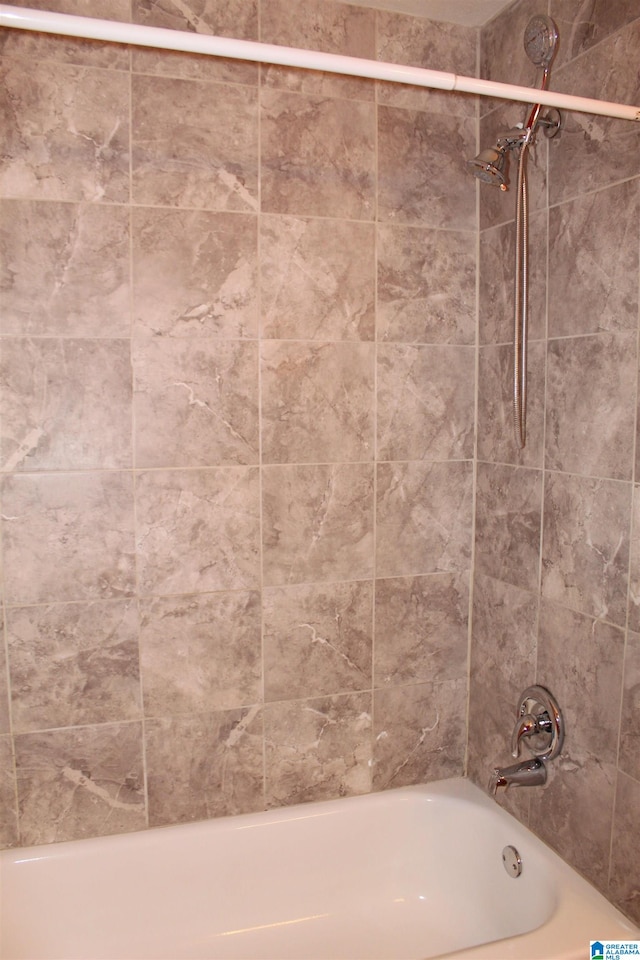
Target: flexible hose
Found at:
521, 319
521, 298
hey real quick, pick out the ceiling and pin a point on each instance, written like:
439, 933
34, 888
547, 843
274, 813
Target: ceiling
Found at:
472, 13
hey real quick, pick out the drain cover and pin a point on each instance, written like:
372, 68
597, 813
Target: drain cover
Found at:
512, 862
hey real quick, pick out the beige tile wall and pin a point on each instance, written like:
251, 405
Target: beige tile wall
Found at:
238, 329
238, 365
556, 571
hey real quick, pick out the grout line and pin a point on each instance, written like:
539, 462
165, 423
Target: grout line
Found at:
472, 561
135, 598
374, 493
544, 471
223, 214
593, 191
260, 338
635, 493
541, 468
11, 734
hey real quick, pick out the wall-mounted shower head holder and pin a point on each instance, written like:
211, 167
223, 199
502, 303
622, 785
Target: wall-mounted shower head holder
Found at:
551, 123
513, 137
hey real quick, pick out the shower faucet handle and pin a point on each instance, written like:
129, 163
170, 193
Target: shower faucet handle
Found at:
539, 721
528, 726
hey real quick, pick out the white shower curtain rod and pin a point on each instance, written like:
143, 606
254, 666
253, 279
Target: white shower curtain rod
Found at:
23, 18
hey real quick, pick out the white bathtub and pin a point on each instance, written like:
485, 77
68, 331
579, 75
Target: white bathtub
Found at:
410, 873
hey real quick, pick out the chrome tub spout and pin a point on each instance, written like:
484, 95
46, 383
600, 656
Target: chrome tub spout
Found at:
528, 773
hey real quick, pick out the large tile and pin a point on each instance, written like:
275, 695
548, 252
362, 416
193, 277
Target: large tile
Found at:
590, 423
196, 402
5, 723
419, 42
43, 46
423, 518
496, 268
501, 55
200, 653
585, 552
581, 660
67, 269
595, 151
426, 402
421, 629
203, 766
8, 806
197, 530
573, 813
496, 298
594, 246
508, 521
80, 782
317, 749
179, 158
629, 755
194, 273
317, 402
496, 435
426, 285
503, 665
317, 279
317, 523
634, 562
65, 132
317, 156
317, 639
324, 25
582, 26
73, 664
421, 175
65, 405
68, 537
419, 733
624, 883
504, 643
222, 18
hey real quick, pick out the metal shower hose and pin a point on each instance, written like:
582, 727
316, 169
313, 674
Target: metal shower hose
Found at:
521, 319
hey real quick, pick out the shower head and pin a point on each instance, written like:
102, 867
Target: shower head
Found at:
489, 166
540, 39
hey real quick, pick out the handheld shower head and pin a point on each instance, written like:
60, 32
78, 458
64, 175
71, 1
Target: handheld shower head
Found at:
540, 40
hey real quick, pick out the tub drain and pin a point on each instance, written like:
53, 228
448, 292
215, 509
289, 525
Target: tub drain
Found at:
512, 861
